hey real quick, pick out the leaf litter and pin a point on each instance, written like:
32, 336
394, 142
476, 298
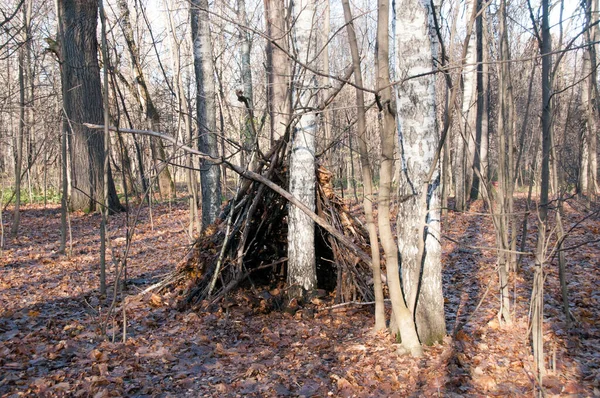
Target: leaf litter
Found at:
52, 342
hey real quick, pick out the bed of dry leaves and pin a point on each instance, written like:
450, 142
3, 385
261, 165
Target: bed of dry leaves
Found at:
52, 319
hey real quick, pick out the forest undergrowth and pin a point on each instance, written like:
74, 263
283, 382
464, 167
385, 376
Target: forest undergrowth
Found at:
55, 339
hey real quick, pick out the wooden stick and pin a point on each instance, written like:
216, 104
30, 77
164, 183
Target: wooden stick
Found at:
255, 177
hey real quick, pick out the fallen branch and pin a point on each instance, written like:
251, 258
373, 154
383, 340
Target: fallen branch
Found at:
255, 177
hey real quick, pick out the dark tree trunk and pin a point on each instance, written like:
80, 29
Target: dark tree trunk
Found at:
82, 99
210, 177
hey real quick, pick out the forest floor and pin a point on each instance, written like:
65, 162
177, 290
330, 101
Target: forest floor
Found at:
52, 318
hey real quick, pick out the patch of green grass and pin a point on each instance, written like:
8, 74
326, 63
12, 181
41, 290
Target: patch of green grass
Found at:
37, 196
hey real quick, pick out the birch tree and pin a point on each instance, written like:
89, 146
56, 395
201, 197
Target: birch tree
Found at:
418, 223
302, 273
403, 318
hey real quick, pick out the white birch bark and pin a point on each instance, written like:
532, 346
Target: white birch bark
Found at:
416, 45
302, 275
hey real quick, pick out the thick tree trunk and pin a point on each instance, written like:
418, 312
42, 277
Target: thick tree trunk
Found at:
419, 220
82, 98
210, 177
302, 275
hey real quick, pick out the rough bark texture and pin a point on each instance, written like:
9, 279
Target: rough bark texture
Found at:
210, 177
419, 220
302, 275
82, 98
278, 68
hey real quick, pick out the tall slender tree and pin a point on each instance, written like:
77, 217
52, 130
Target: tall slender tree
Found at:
210, 176
403, 318
367, 172
278, 68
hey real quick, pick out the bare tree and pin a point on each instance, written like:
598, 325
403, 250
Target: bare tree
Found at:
418, 223
367, 173
82, 98
210, 178
302, 272
402, 314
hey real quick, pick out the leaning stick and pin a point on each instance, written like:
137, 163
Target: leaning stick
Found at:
251, 176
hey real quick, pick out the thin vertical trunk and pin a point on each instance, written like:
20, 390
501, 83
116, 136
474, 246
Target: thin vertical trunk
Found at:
463, 147
588, 181
278, 68
403, 316
14, 229
165, 182
502, 214
210, 177
537, 293
480, 111
367, 174
248, 136
103, 225
325, 82
184, 120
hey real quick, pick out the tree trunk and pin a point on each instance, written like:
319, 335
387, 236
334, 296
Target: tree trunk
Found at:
210, 177
278, 68
480, 111
403, 317
588, 181
248, 136
302, 275
419, 220
22, 57
537, 293
503, 213
82, 98
367, 174
462, 155
165, 181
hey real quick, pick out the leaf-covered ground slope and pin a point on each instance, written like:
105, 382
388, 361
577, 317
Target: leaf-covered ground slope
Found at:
51, 318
